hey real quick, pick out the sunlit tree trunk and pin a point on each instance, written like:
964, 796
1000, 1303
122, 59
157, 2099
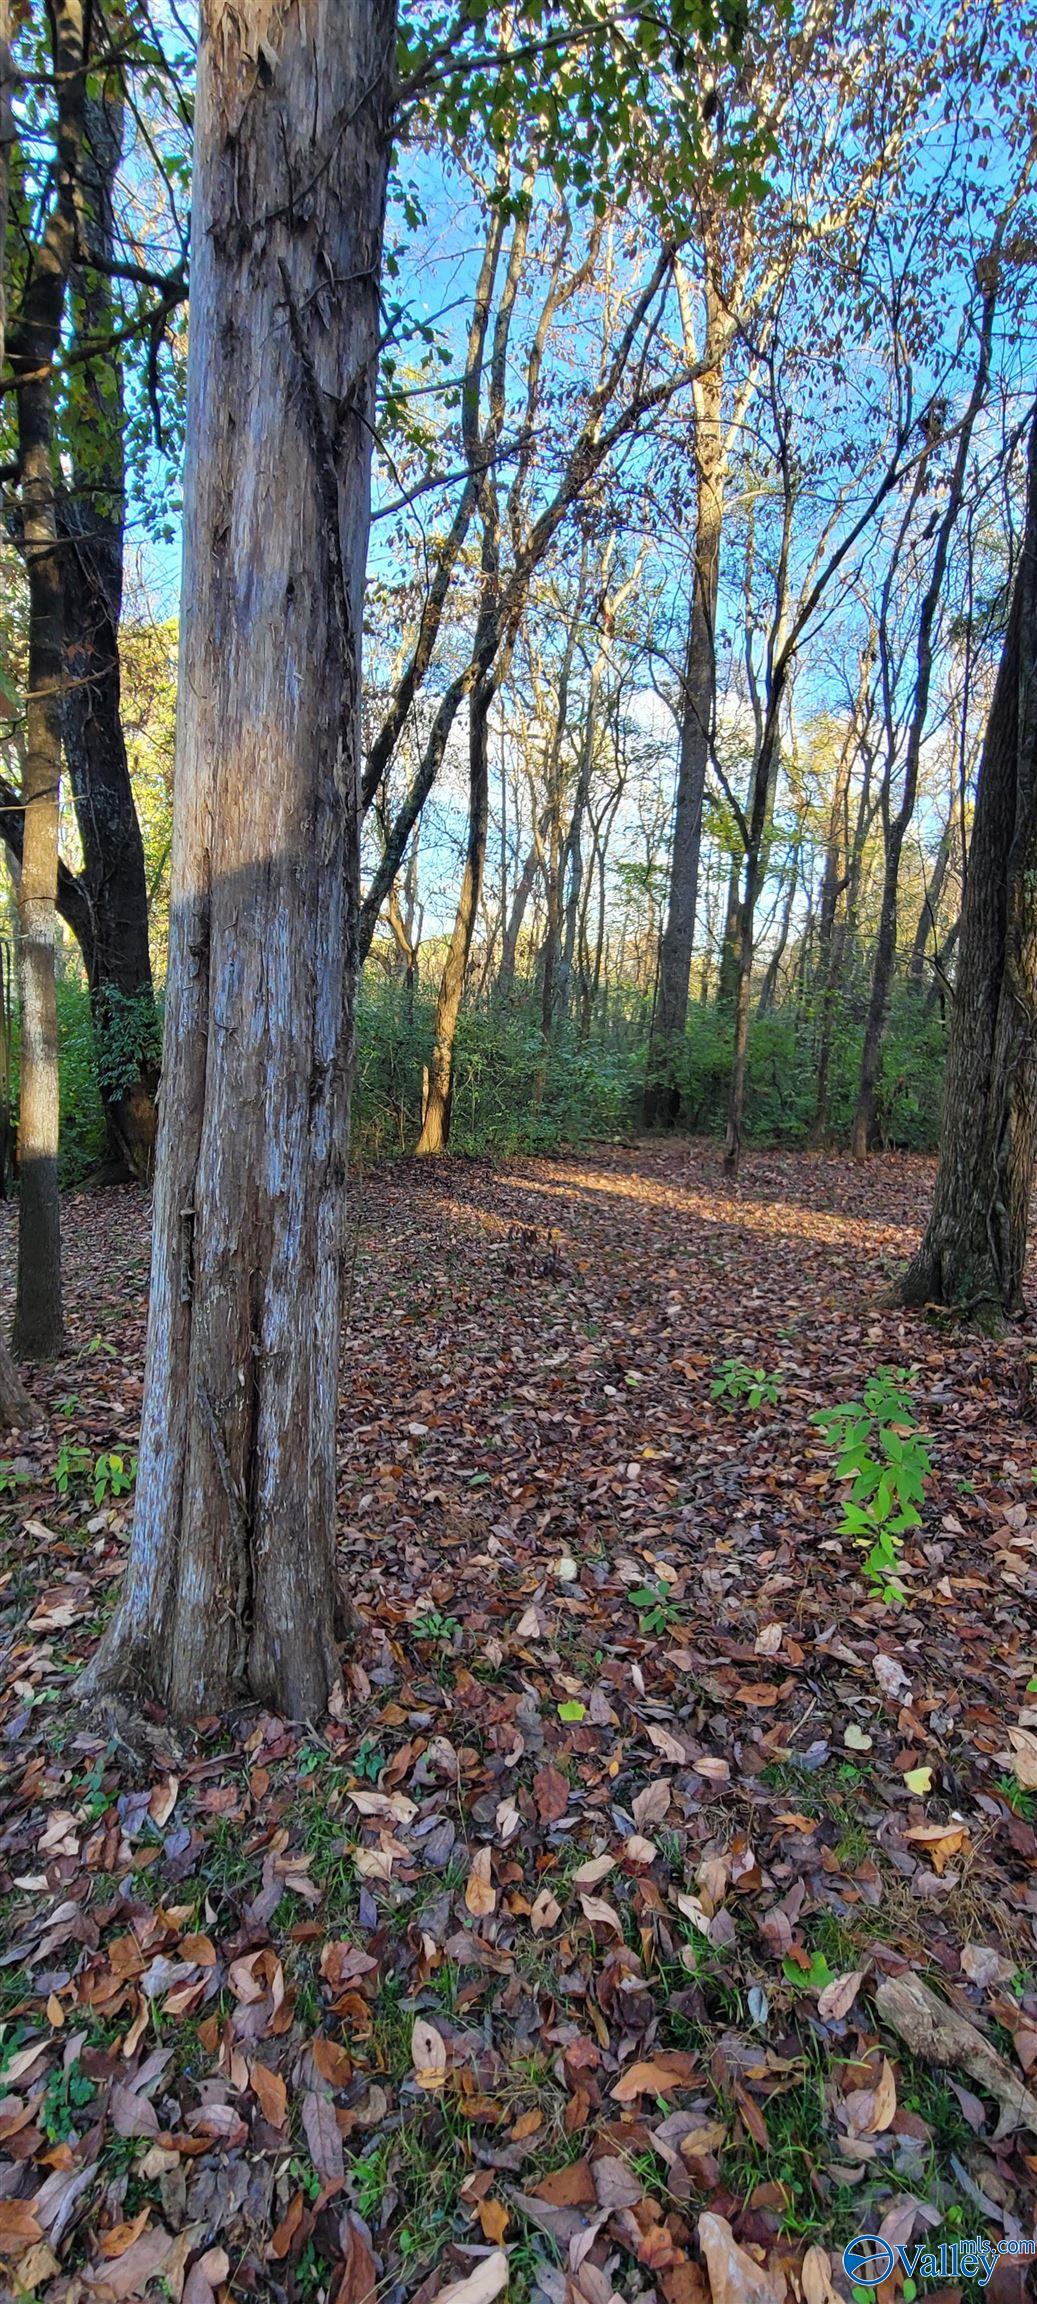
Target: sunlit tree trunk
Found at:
230, 1585
32, 343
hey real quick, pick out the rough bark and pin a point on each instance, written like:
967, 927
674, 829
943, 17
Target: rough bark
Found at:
974, 1250
17, 1411
698, 707
230, 1585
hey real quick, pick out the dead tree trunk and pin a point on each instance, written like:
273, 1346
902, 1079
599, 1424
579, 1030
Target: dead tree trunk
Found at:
974, 1250
230, 1585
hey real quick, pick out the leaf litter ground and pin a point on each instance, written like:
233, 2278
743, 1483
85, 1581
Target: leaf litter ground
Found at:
553, 1961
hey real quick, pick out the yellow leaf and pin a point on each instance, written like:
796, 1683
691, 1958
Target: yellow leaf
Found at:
428, 2054
480, 1894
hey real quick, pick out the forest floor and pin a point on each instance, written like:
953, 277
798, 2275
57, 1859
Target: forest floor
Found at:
554, 1958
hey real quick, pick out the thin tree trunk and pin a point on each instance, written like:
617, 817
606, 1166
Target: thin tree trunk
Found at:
698, 707
925, 933
841, 877
727, 987
230, 1585
761, 804
769, 987
519, 904
91, 524
974, 1250
865, 1116
435, 1127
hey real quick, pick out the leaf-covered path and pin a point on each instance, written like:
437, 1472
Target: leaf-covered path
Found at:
557, 1955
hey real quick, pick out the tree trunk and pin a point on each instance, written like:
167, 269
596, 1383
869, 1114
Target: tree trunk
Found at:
572, 857
769, 987
974, 1250
727, 985
929, 914
38, 1323
865, 1119
230, 1585
744, 949
864, 1123
32, 342
91, 523
17, 1412
833, 966
761, 803
698, 704
519, 904
435, 1127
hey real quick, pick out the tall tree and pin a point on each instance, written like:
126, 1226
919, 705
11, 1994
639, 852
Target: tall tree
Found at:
974, 1249
230, 1583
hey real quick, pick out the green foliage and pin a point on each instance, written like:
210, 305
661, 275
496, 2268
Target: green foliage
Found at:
433, 1626
106, 1475
656, 1608
879, 1449
615, 92
66, 2096
513, 1095
510, 1093
82, 1115
71, 1467
127, 1038
113, 1475
735, 1380
782, 1074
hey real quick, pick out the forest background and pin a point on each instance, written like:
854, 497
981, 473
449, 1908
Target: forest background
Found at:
757, 464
